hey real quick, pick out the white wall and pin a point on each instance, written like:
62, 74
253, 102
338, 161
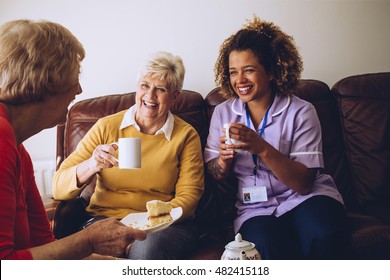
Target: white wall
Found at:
336, 38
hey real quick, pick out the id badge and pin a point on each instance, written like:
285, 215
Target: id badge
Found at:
254, 194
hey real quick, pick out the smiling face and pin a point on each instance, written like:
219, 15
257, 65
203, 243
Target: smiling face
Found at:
153, 100
248, 77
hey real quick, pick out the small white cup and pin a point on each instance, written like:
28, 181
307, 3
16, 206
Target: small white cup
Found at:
229, 140
129, 153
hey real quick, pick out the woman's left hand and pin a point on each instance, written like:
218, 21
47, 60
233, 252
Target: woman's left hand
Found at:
251, 141
292, 173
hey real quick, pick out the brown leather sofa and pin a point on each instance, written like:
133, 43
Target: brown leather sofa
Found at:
355, 120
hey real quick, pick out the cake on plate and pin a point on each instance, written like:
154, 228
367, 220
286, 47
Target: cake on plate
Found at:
158, 212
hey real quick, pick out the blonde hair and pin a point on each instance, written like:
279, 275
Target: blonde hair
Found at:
274, 49
165, 67
37, 58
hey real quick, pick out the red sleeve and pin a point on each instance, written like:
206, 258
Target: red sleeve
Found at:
18, 198
40, 231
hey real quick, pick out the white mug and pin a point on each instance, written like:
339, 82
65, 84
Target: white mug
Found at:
229, 140
129, 153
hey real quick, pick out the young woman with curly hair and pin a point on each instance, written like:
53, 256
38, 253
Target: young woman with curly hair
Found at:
285, 205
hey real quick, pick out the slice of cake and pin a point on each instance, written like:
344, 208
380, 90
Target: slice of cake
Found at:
158, 212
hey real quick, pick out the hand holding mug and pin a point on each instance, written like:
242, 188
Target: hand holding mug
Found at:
103, 157
229, 139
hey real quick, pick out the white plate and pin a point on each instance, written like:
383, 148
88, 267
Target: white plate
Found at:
140, 220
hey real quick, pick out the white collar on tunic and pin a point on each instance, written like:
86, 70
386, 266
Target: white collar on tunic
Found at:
129, 120
279, 105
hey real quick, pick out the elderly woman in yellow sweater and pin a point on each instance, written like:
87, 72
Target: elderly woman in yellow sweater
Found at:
172, 165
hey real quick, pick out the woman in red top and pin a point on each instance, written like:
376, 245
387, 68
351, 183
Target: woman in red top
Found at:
39, 70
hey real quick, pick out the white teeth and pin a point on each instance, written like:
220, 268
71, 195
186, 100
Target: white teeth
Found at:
149, 104
244, 89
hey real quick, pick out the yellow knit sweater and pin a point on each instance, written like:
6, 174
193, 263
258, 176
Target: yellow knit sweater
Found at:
170, 170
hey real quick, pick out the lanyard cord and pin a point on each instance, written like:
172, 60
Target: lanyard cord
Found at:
254, 156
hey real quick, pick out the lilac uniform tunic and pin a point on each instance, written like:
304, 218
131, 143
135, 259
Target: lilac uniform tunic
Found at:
292, 128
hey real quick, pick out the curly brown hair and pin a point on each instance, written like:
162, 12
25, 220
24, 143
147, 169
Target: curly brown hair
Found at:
274, 49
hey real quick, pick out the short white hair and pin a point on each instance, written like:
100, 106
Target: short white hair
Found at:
165, 67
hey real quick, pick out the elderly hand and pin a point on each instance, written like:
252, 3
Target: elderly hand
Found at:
111, 237
103, 157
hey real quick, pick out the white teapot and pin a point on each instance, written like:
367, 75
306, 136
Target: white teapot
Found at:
240, 250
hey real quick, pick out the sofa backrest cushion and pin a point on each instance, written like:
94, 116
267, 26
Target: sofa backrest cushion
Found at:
364, 105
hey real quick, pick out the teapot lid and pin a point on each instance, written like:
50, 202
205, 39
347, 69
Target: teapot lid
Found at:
239, 244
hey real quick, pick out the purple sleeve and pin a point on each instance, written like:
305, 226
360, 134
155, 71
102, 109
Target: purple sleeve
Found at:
212, 145
307, 141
